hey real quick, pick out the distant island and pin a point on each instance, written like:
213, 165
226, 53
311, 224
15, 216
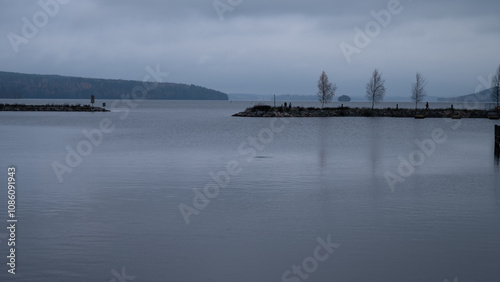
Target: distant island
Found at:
344, 98
33, 86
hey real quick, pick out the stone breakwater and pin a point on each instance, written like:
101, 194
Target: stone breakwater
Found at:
268, 111
50, 108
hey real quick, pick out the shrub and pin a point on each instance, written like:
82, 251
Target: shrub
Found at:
264, 108
367, 112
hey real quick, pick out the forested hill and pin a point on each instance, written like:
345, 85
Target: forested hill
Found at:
484, 96
17, 85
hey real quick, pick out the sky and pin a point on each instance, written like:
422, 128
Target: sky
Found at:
256, 46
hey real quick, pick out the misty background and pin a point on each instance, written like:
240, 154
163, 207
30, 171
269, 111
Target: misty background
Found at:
259, 47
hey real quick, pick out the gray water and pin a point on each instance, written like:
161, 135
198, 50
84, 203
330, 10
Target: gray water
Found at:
310, 179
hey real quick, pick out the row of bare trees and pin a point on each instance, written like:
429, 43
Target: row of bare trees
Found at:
375, 89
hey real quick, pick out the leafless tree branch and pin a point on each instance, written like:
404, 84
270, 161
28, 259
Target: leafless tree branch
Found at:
326, 90
375, 89
418, 89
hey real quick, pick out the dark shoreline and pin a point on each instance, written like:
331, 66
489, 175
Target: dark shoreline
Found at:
268, 111
49, 108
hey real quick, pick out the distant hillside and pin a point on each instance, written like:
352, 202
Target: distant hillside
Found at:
269, 97
249, 97
17, 85
288, 97
483, 97
314, 98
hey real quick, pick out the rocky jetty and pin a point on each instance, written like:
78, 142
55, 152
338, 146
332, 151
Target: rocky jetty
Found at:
50, 108
268, 111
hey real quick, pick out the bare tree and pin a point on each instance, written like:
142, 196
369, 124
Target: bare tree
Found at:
326, 90
418, 89
495, 84
375, 89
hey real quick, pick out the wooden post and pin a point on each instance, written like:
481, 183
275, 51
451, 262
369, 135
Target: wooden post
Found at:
497, 140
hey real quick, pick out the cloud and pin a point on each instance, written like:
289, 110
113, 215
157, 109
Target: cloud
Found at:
260, 46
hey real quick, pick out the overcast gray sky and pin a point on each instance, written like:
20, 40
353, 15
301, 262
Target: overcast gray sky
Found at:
256, 46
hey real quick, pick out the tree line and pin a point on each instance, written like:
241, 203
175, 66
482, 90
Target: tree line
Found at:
375, 88
17, 85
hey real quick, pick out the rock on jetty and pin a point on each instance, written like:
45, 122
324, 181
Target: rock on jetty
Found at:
50, 108
268, 111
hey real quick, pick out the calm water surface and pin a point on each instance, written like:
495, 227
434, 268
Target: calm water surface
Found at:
117, 212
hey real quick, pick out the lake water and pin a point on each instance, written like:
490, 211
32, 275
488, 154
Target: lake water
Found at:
299, 199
